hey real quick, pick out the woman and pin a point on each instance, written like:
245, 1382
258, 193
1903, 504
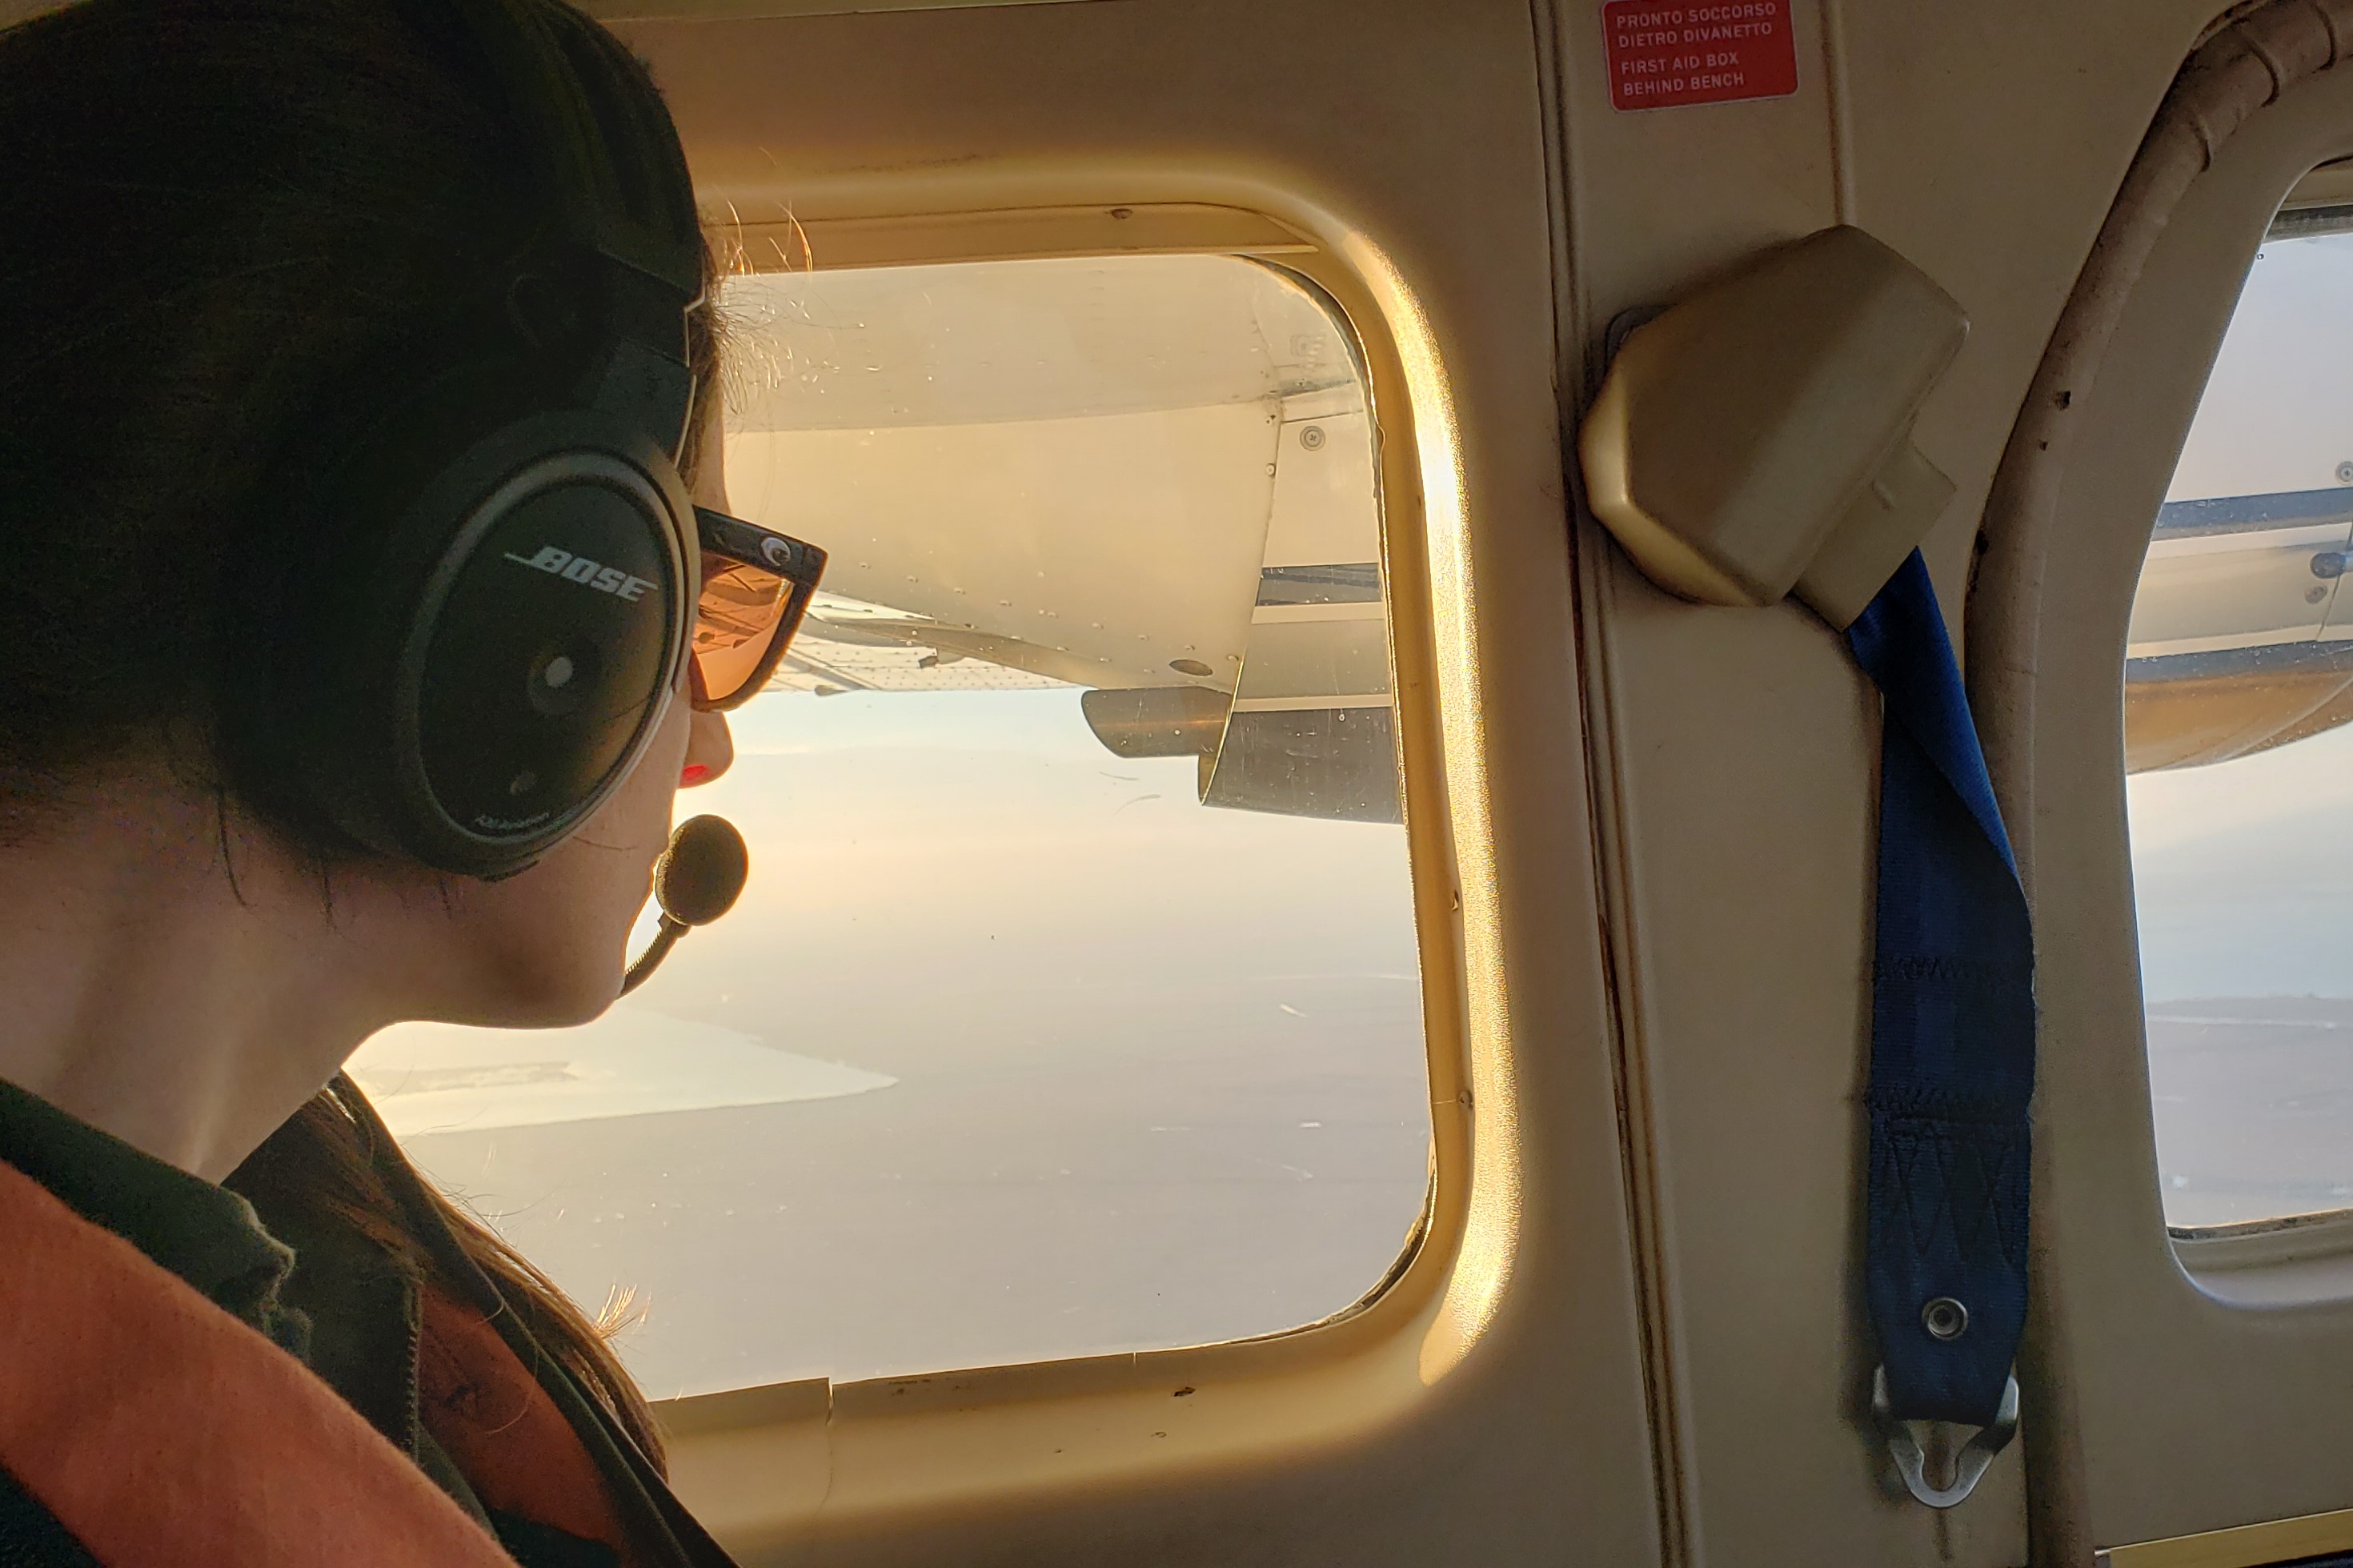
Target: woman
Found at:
241, 1331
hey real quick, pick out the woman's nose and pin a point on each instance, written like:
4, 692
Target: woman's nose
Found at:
710, 750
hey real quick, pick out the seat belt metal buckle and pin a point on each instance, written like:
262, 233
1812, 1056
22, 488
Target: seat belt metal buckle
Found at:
1910, 1455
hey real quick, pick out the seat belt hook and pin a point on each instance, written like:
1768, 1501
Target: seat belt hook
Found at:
1911, 1457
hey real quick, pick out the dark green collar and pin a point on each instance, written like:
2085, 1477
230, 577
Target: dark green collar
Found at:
206, 1234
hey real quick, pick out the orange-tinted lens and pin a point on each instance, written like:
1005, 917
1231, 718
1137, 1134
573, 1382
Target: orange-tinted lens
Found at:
736, 625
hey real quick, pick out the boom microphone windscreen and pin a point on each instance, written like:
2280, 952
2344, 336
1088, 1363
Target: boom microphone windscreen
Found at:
698, 878
701, 873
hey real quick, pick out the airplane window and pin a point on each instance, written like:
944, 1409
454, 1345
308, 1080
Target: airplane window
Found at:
1073, 1006
2238, 685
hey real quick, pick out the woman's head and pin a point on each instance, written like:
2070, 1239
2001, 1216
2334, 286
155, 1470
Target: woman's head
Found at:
220, 221
221, 216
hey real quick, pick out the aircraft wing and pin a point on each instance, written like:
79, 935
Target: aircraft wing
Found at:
1169, 500
846, 645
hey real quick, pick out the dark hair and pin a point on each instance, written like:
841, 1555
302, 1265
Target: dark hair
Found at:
212, 213
323, 1162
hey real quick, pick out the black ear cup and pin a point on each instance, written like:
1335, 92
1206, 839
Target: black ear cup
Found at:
465, 680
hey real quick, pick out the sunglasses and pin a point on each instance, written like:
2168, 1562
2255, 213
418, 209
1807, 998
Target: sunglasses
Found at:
756, 586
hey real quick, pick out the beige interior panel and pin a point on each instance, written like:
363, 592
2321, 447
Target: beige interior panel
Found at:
1742, 743
1642, 828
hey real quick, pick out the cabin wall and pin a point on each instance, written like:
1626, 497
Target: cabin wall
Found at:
1741, 744
1635, 1335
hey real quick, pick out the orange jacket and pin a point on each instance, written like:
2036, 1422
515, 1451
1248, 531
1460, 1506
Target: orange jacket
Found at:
202, 1443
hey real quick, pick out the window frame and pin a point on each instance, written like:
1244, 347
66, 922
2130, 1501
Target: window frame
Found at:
926, 1437
2191, 287
2249, 1336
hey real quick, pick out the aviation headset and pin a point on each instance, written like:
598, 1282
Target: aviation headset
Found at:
473, 616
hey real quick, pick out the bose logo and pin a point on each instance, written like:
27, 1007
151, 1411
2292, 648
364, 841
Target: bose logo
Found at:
580, 570
779, 553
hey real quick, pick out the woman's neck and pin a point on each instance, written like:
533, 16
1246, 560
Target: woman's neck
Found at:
151, 992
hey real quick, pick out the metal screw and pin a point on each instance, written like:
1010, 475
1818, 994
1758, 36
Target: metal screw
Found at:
1945, 1319
2345, 473
1312, 438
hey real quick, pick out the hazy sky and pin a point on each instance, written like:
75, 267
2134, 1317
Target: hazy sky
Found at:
1002, 1020
2242, 884
905, 843
2278, 408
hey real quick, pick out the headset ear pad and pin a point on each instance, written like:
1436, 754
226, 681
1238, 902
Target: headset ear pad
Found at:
465, 681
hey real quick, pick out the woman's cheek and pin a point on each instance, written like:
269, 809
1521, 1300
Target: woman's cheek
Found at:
554, 937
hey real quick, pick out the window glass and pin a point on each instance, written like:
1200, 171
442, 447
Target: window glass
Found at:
2238, 685
1073, 1006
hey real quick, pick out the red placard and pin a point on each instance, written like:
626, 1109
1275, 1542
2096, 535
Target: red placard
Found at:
1697, 51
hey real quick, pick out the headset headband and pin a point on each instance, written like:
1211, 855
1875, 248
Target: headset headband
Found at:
617, 180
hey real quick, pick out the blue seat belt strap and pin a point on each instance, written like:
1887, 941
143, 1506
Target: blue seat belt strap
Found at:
1952, 1041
